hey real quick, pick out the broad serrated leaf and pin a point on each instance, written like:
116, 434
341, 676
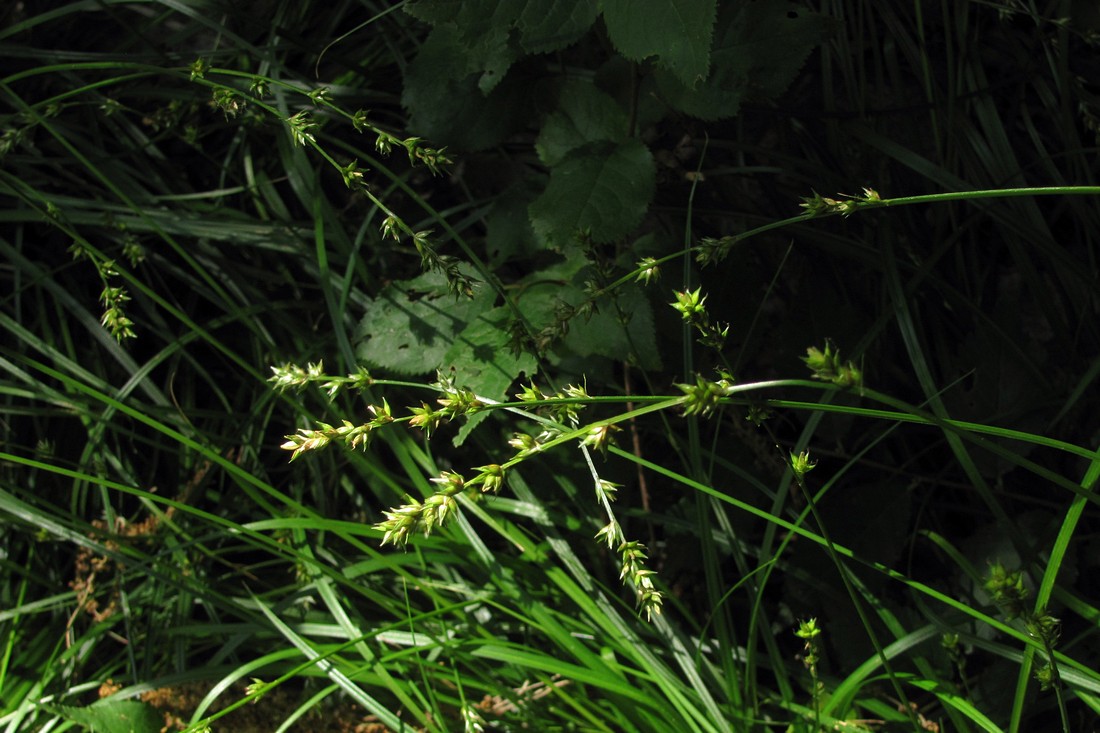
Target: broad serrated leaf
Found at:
677, 32
508, 232
482, 29
619, 78
759, 48
551, 25
601, 188
410, 326
482, 361
542, 26
481, 357
485, 32
537, 294
584, 115
113, 716
446, 103
604, 334
434, 11
774, 39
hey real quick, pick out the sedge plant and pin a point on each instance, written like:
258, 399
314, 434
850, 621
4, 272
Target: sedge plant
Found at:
604, 517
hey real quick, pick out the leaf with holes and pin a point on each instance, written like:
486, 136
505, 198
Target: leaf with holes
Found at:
551, 25
621, 330
486, 31
758, 49
482, 361
676, 32
584, 115
113, 716
508, 233
601, 188
454, 105
480, 31
411, 325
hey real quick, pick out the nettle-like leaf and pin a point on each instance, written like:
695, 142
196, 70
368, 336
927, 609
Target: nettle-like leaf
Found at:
435, 11
676, 32
619, 77
445, 96
758, 49
604, 334
483, 361
551, 25
492, 35
113, 716
602, 188
410, 325
508, 232
418, 327
584, 114
482, 28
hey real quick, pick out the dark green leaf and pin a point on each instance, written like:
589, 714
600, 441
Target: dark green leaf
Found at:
446, 96
114, 716
605, 335
508, 232
773, 40
491, 33
759, 47
434, 11
550, 25
483, 361
584, 115
676, 32
409, 326
602, 188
